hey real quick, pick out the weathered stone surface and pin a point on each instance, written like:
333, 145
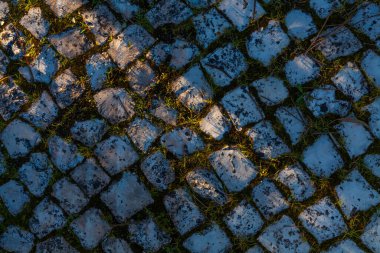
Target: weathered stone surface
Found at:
3, 164
62, 8
372, 162
143, 133
293, 121
13, 42
371, 234
15, 239
4, 61
271, 90
89, 132
116, 245
12, 98
345, 246
255, 249
55, 244
215, 124
168, 12
300, 24
325, 7
200, 3
301, 70
141, 78
14, 197
97, 67
165, 113
374, 119
4, 12
35, 23
182, 52
125, 8
158, 170
370, 64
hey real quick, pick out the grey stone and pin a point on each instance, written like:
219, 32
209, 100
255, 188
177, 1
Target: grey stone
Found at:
200, 3
90, 228
266, 44
159, 53
4, 12
182, 142
266, 143
15, 239
322, 157
244, 220
182, 210
345, 246
12, 98
300, 24
324, 8
4, 61
143, 133
102, 23
3, 164
89, 132
370, 64
116, 245
242, 107
19, 138
255, 249
165, 113
371, 235
129, 45
192, 89
284, 236
293, 121
90, 177
115, 104
323, 220
224, 65
338, 42
233, 168
126, 197
125, 8
42, 112
71, 43
116, 154
69, 196
374, 119
14, 197
148, 234
205, 183
182, 52
241, 13
215, 124
66, 88
141, 78
298, 182
372, 162
62, 8
63, 154
210, 26
36, 173
97, 67
158, 170
56, 244
35, 23
168, 12
271, 90
47, 217
13, 42
212, 240
301, 70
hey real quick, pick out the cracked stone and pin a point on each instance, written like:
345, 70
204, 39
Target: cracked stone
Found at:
158, 170
271, 90
14, 197
97, 67
89, 132
13, 42
141, 78
116, 245
168, 12
293, 122
62, 8
370, 64
300, 24
12, 99
167, 114
371, 235
35, 23
301, 70
124, 7
372, 162
55, 244
15, 239
215, 124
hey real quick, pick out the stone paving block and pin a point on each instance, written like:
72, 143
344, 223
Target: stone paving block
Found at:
301, 70
300, 24
233, 168
56, 244
182, 210
66, 88
210, 26
182, 52
323, 101
355, 136
266, 143
374, 119
14, 197
89, 132
141, 78
271, 90
158, 170
36, 173
42, 112
43, 68
244, 220
215, 124
167, 114
126, 197
224, 65
63, 154
212, 240
350, 81
69, 196
182, 142
372, 162
4, 61
62, 8
148, 235
71, 43
242, 107
143, 133
13, 42
200, 3
205, 183
4, 12
12, 98
356, 194
102, 23
322, 157
370, 64
129, 45
324, 8
15, 239
90, 177
293, 121
269, 199
116, 154
345, 246
241, 13
35, 23
3, 164
284, 236
255, 249
47, 217
125, 8
97, 67
298, 182
115, 104
90, 228
371, 234
19, 138
338, 42
192, 89
323, 220
116, 245
168, 12
268, 43
159, 53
